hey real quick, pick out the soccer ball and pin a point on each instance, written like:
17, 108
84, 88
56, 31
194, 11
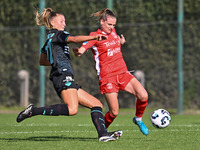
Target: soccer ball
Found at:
160, 118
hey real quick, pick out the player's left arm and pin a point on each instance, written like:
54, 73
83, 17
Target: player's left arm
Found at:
122, 39
83, 38
43, 60
85, 46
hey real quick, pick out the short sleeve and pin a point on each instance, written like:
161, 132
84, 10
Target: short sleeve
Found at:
88, 44
43, 49
61, 37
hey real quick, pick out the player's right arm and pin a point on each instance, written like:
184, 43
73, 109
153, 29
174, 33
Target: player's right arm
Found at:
78, 51
86, 45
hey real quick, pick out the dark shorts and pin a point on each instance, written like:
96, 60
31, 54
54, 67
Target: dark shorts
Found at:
64, 82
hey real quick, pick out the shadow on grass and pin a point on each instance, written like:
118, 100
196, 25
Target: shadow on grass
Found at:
48, 138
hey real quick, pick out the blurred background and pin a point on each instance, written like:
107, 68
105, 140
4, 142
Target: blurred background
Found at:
161, 41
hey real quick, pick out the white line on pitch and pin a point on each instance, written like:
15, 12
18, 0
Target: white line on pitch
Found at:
36, 132
129, 131
88, 125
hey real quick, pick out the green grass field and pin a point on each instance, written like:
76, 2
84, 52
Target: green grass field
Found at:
78, 133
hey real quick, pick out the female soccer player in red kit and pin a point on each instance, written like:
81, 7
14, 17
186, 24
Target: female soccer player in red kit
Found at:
112, 70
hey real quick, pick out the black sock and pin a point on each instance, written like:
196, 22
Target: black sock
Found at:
98, 120
53, 110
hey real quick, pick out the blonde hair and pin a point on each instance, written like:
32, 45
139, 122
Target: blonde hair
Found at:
103, 14
44, 19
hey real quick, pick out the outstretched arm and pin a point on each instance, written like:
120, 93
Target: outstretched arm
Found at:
79, 51
82, 38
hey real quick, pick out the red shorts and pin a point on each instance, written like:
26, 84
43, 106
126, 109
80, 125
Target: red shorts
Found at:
115, 83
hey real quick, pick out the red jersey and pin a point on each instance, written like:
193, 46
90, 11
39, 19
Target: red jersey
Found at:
107, 54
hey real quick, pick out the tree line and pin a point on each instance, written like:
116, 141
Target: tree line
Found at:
150, 29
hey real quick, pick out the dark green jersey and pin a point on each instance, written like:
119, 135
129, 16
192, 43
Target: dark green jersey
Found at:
57, 50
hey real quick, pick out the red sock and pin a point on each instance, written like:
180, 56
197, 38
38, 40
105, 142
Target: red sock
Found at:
140, 107
109, 119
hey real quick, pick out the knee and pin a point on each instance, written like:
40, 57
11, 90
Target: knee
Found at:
114, 112
73, 111
96, 104
143, 96
99, 104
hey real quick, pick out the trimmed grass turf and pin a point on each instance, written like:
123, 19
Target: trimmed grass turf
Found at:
78, 133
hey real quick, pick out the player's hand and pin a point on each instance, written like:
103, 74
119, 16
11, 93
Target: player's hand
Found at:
76, 52
100, 37
122, 39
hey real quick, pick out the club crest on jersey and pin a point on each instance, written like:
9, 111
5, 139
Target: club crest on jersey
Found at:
114, 35
109, 86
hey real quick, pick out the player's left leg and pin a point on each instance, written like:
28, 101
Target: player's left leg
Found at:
135, 87
70, 98
52, 110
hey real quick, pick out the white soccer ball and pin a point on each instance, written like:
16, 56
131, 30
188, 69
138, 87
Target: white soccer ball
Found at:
160, 118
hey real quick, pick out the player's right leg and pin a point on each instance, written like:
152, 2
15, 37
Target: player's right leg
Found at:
95, 105
111, 136
112, 101
99, 123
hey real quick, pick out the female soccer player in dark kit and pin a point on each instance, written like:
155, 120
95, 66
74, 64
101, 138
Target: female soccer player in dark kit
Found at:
112, 70
55, 53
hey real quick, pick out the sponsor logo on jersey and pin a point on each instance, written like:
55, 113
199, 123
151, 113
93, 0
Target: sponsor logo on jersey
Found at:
68, 78
113, 42
66, 32
111, 52
66, 51
84, 43
68, 83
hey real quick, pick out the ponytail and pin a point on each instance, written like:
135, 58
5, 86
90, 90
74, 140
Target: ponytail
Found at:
44, 19
103, 14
